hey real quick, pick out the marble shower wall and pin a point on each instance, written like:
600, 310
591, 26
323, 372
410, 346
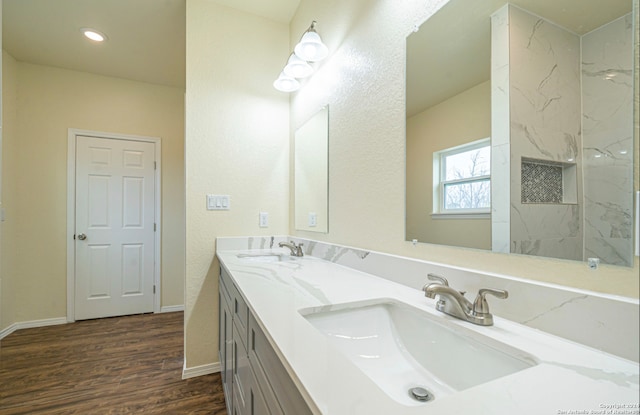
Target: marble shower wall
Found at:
545, 124
607, 135
560, 98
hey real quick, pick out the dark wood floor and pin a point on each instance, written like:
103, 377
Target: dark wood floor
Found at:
120, 365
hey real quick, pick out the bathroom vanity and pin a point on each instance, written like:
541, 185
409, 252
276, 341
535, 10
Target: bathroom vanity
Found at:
314, 334
253, 377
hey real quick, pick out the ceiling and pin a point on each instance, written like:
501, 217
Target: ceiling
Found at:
146, 38
451, 51
279, 10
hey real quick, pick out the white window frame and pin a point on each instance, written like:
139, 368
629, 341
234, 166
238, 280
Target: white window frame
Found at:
439, 172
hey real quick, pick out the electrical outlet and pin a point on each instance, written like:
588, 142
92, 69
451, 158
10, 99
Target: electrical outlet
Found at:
313, 219
263, 220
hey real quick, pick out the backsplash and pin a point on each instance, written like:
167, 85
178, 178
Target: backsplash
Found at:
582, 316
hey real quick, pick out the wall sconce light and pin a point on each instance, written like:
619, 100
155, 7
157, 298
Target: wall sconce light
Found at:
297, 68
309, 49
286, 83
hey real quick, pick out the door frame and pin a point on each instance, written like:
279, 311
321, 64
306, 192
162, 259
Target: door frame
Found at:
71, 211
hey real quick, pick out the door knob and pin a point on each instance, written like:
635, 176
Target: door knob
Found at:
82, 236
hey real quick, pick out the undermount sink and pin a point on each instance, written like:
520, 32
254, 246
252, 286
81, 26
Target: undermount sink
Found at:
265, 257
401, 347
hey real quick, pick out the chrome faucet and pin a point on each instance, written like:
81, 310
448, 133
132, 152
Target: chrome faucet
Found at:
454, 303
296, 250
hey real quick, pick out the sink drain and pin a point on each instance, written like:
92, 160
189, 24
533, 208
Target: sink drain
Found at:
421, 394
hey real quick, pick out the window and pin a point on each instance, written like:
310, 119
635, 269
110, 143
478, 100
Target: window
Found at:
462, 179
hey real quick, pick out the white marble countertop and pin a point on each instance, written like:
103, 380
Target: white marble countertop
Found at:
569, 377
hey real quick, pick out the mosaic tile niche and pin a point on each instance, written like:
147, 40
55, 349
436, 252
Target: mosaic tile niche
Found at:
541, 183
547, 182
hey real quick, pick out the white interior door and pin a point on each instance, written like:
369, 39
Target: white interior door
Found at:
114, 229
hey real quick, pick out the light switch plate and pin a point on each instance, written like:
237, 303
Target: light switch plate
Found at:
218, 202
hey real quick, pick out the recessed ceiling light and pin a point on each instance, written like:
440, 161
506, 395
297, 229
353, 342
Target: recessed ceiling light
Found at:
94, 35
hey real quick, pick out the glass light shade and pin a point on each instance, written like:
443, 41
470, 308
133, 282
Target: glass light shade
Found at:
297, 68
286, 83
311, 48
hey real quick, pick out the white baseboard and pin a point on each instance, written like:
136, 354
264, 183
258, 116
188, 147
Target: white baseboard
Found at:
192, 372
62, 320
171, 308
31, 324
7, 331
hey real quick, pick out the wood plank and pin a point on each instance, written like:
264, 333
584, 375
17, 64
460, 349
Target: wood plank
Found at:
119, 365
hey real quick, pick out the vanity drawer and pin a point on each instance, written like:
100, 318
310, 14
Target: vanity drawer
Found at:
225, 285
275, 382
240, 315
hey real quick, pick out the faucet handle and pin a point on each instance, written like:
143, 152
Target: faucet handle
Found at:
441, 280
480, 305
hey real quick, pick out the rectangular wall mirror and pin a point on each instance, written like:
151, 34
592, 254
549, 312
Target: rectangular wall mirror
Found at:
520, 128
311, 174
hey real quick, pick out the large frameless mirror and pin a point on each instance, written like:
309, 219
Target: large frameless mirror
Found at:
520, 128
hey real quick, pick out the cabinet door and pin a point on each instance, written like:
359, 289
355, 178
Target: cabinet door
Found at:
260, 377
256, 403
253, 403
241, 374
237, 305
278, 388
221, 335
225, 345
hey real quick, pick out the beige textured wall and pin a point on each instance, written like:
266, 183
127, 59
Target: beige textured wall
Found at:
49, 101
237, 143
9, 186
461, 119
363, 82
1, 283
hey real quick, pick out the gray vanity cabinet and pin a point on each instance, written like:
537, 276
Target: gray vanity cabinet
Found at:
225, 345
254, 380
237, 378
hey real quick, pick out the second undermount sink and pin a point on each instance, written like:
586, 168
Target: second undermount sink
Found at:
401, 347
